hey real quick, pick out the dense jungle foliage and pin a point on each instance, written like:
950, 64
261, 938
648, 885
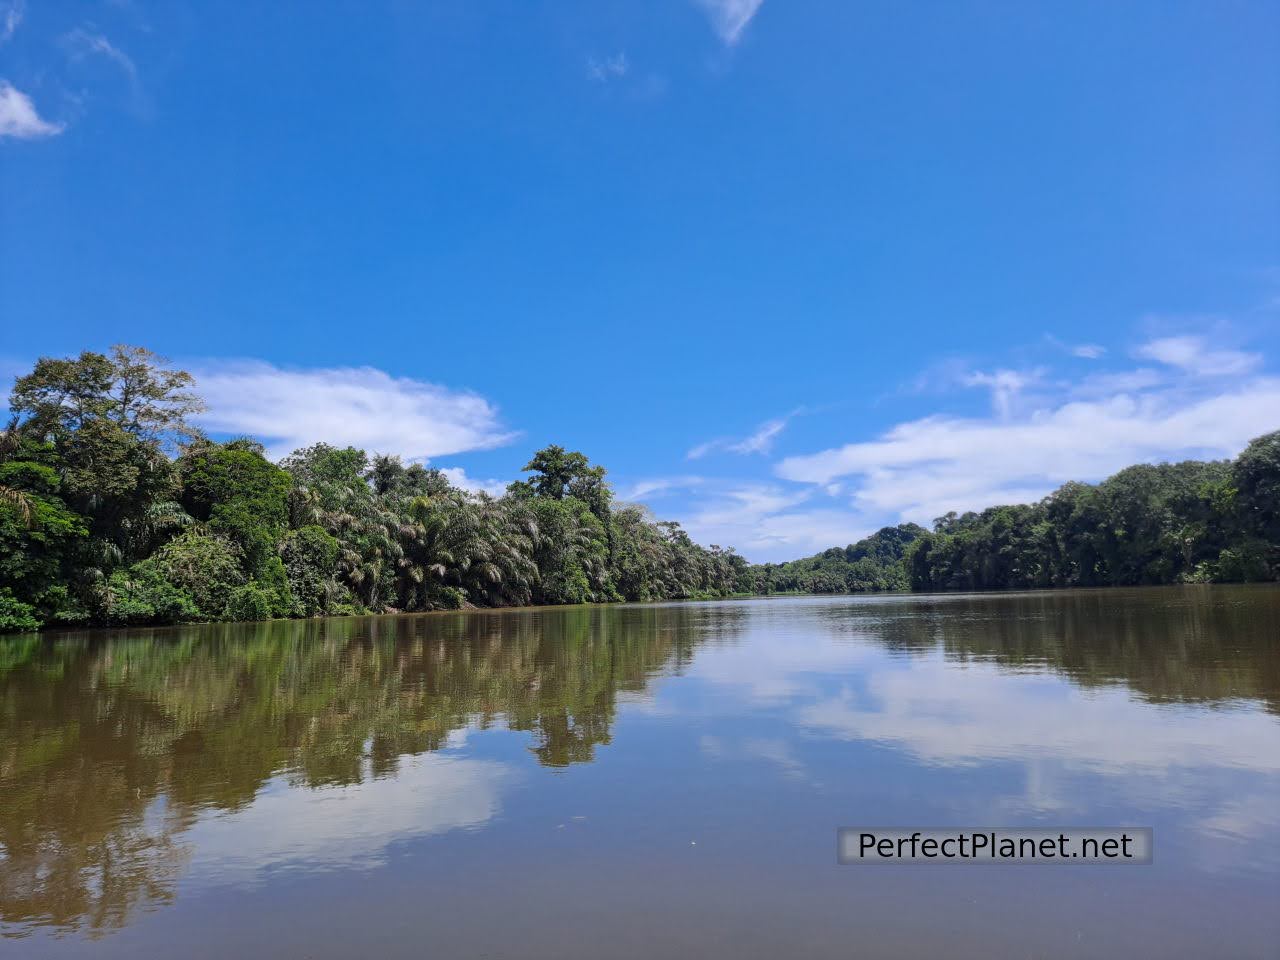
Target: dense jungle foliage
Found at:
114, 510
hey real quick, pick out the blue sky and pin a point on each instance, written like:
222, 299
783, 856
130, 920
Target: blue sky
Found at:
790, 270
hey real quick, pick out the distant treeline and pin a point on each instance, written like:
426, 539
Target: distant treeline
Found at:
114, 510
1189, 522
873, 564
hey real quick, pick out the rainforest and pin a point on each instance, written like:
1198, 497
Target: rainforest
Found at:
116, 510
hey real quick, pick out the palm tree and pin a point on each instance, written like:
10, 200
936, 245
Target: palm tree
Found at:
21, 502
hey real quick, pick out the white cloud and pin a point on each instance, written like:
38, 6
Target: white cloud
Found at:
803, 532
458, 477
736, 516
12, 19
923, 468
730, 17
609, 68
18, 116
764, 522
80, 41
751, 502
659, 486
1086, 351
767, 521
761, 441
1193, 355
1005, 385
1121, 381
1044, 431
360, 406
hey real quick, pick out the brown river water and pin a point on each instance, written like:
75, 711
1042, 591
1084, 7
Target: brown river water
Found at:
646, 780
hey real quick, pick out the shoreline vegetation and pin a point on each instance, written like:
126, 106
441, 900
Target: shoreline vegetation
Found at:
115, 511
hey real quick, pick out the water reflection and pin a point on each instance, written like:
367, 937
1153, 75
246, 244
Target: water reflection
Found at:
113, 743
136, 766
1170, 707
347, 826
1176, 644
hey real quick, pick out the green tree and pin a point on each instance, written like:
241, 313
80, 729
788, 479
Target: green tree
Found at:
110, 418
130, 387
240, 494
39, 535
560, 473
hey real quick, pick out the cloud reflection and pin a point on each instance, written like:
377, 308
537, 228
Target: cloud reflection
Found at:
349, 826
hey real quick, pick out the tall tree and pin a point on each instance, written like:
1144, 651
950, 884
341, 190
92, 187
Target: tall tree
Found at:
130, 387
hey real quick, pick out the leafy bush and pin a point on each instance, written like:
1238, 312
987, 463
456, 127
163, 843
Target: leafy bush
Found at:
1244, 563
252, 601
15, 615
309, 556
58, 605
205, 568
450, 598
141, 594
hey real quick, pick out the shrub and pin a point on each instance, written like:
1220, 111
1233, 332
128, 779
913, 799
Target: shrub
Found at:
1245, 562
15, 615
141, 594
206, 568
449, 598
252, 601
309, 556
58, 605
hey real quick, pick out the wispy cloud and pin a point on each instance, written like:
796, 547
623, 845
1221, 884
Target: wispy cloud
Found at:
659, 486
82, 41
1086, 351
361, 406
1005, 386
18, 116
1118, 382
11, 18
922, 468
729, 18
776, 524
752, 501
1194, 355
760, 441
608, 68
757, 518
1044, 428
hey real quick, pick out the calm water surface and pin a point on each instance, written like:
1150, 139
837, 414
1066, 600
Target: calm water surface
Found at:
642, 781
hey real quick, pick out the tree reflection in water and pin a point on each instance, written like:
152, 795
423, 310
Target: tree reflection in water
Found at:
114, 742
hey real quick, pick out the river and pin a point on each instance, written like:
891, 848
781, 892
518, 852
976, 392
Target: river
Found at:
646, 780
